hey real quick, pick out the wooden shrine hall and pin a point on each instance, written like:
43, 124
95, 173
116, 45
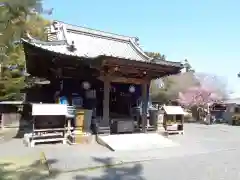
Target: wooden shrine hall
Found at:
73, 55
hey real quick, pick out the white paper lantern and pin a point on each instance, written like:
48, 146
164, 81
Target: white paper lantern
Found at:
132, 89
86, 85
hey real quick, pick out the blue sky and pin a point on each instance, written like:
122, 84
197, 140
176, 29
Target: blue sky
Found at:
206, 32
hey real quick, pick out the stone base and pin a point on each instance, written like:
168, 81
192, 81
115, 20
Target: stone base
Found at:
79, 139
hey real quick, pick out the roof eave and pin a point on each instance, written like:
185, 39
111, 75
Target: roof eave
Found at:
168, 63
32, 40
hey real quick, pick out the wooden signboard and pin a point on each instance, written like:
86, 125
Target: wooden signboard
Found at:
49, 110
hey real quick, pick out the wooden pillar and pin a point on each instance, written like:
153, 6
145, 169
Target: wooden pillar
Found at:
2, 121
106, 98
144, 106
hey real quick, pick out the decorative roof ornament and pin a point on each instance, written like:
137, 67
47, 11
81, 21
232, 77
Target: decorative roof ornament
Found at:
137, 41
72, 47
55, 26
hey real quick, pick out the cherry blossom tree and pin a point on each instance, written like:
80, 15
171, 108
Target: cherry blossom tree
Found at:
217, 84
198, 99
198, 96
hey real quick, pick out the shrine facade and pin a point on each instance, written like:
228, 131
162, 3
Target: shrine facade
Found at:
109, 71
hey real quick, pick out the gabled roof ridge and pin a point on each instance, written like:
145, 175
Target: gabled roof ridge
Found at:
97, 32
139, 50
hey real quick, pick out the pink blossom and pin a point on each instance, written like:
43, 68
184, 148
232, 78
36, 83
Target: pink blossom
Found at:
197, 96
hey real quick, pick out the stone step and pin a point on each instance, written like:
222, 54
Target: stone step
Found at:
151, 128
104, 130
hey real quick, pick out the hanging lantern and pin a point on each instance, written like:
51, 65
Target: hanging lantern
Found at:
159, 82
132, 89
86, 85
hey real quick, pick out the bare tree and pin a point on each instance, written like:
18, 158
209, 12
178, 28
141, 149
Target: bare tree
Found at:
172, 85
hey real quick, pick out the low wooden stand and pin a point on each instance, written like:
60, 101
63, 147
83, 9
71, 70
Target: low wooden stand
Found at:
174, 129
175, 132
48, 124
44, 136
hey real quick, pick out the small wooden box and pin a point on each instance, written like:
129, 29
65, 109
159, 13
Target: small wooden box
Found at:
123, 126
79, 139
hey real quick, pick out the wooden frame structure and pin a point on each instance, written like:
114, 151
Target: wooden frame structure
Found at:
10, 112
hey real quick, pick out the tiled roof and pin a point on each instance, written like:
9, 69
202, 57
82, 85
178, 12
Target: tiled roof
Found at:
90, 43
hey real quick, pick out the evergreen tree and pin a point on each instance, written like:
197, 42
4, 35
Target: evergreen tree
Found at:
17, 18
156, 56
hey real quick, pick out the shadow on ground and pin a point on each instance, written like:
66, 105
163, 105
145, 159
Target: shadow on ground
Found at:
35, 171
38, 171
117, 173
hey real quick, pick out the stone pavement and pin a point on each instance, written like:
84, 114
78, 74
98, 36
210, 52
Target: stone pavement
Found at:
207, 152
198, 141
221, 165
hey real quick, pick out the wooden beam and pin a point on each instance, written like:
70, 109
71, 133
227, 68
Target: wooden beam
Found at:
137, 72
110, 61
128, 80
135, 68
119, 79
